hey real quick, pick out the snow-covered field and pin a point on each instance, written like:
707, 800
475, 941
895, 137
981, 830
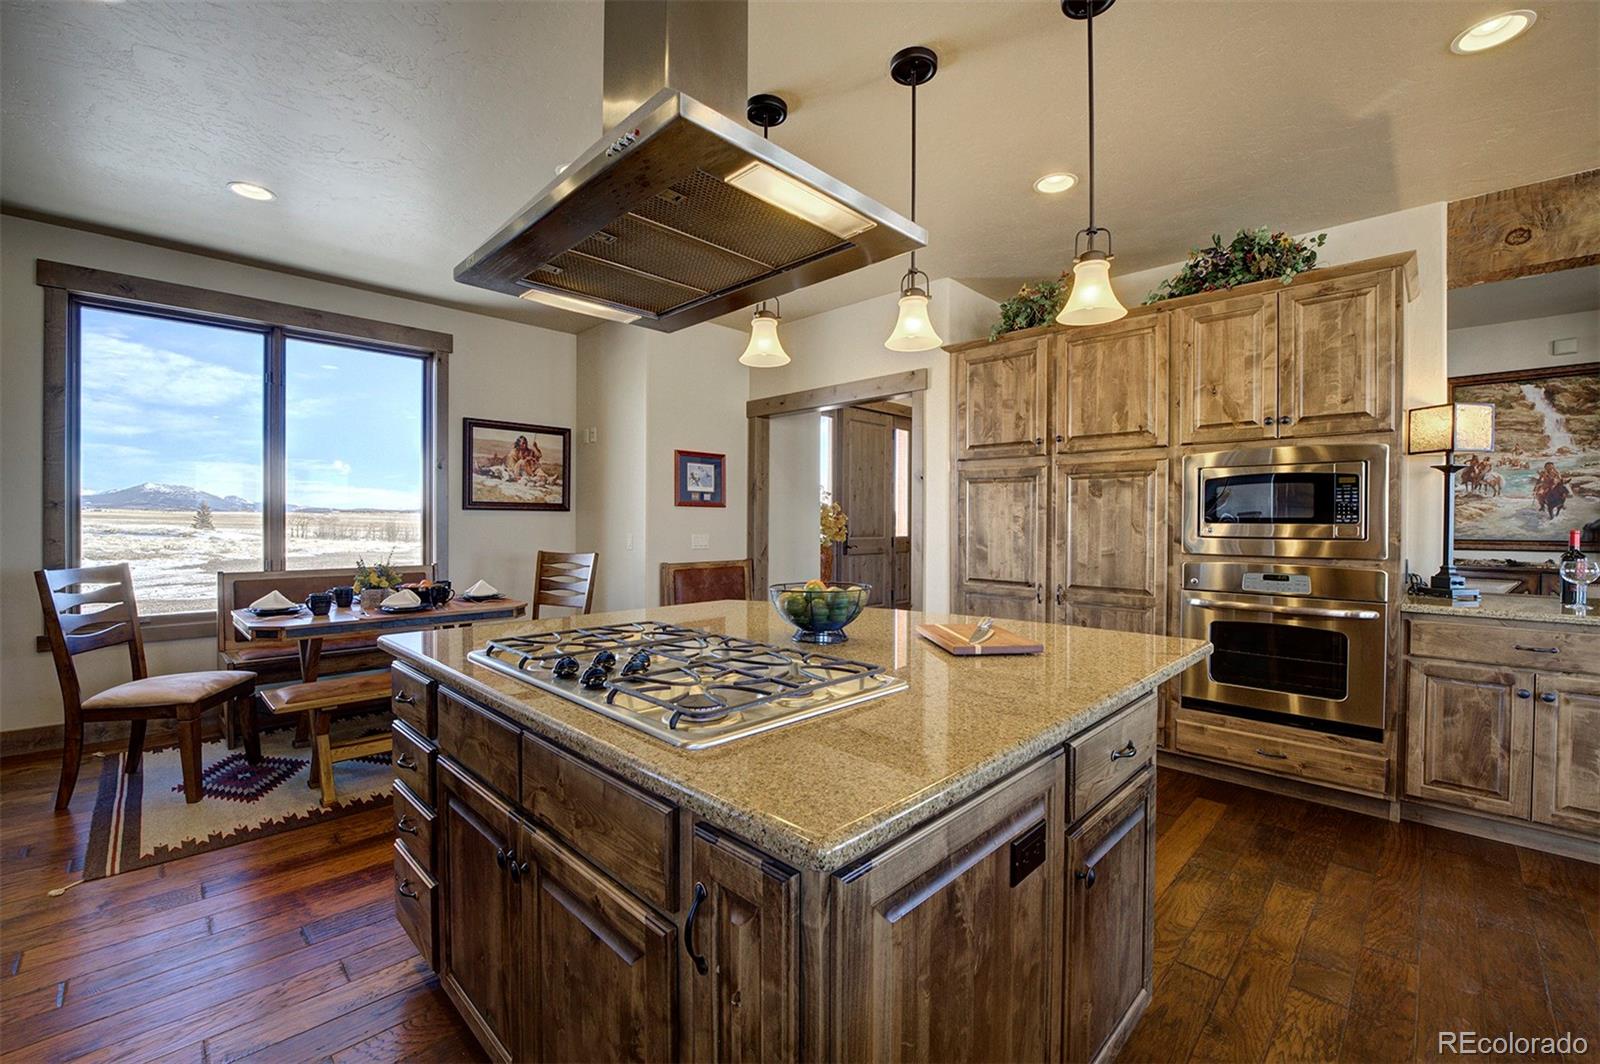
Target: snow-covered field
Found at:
175, 565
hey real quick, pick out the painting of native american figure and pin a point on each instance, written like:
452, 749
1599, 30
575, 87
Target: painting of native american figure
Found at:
513, 466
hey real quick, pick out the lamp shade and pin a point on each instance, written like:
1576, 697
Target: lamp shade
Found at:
1450, 427
765, 350
914, 330
1091, 302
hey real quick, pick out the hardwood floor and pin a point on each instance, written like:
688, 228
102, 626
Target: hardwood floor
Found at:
1284, 931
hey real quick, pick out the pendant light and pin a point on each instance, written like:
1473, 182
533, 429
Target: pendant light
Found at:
765, 350
914, 330
1091, 302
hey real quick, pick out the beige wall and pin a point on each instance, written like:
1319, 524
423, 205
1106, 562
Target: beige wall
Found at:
499, 369
795, 471
1523, 344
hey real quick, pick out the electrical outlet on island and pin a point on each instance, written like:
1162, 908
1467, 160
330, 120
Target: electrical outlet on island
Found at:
699, 541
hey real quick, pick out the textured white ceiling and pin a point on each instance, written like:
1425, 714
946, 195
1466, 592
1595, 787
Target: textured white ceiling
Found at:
399, 135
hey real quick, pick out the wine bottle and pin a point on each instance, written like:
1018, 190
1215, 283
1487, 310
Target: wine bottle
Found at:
1569, 592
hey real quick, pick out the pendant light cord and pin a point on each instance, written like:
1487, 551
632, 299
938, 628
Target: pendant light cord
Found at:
1091, 4
913, 169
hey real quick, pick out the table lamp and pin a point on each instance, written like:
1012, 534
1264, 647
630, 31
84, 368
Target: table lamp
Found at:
1446, 429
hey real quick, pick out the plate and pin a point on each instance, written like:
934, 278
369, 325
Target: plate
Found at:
418, 608
280, 611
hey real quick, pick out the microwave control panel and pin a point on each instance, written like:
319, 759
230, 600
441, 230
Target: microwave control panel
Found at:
1276, 583
1347, 500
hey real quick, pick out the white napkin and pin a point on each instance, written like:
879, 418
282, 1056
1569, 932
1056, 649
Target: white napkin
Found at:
482, 589
273, 601
402, 598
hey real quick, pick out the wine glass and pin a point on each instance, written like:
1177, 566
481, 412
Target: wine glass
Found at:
1580, 573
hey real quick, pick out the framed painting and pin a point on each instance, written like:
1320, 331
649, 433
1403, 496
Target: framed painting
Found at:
701, 479
1543, 478
513, 466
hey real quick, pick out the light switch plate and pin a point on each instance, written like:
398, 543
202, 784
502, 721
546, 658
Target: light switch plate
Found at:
1563, 348
591, 435
699, 541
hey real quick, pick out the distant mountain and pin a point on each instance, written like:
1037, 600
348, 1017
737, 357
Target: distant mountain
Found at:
149, 496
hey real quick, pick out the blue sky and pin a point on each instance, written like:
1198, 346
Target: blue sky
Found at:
180, 403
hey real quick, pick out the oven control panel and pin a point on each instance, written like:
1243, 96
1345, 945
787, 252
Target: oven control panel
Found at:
1276, 583
1347, 500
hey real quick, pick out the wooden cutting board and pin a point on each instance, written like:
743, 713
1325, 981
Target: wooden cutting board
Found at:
953, 638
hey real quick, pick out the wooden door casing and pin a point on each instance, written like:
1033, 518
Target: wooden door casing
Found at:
1000, 400
864, 488
1109, 543
1469, 736
1336, 356
1001, 541
1566, 752
1110, 934
1110, 385
746, 1005
1226, 370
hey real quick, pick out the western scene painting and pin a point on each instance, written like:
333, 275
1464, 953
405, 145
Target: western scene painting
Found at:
512, 466
1543, 478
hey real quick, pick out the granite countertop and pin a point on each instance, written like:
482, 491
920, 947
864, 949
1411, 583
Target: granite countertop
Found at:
1543, 608
824, 792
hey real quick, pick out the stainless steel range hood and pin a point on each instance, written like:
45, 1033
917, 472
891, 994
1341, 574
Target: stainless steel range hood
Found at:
679, 214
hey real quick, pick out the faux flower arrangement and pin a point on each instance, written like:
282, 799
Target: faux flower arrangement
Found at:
1034, 304
835, 526
1252, 255
380, 576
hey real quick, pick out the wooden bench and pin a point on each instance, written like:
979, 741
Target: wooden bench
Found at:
321, 701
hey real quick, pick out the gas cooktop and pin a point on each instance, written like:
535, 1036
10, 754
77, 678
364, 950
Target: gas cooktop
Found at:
689, 687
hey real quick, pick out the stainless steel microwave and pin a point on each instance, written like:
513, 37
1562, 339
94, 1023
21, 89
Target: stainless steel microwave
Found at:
1322, 501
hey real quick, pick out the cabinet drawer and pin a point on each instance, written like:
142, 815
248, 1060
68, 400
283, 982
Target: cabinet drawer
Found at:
413, 699
1558, 650
413, 904
627, 832
480, 741
413, 762
1111, 753
413, 827
1350, 764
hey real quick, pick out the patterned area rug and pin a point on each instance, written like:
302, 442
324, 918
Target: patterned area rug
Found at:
142, 820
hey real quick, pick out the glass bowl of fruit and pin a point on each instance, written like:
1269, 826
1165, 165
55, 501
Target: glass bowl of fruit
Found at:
819, 611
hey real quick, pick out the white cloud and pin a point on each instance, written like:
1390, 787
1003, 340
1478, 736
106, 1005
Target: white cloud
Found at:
116, 368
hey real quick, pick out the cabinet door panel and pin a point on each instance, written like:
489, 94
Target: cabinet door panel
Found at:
1336, 352
1227, 369
1109, 538
1110, 384
1566, 752
1000, 399
1000, 509
1469, 736
746, 929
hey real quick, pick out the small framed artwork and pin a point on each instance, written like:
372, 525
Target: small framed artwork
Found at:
700, 478
513, 466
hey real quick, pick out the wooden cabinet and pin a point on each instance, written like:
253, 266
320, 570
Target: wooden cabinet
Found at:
1336, 356
1226, 369
1566, 752
1000, 406
1000, 538
1109, 385
1110, 940
953, 934
1109, 543
1470, 736
743, 943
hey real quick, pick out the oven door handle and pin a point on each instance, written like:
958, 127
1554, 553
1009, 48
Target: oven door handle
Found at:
1292, 611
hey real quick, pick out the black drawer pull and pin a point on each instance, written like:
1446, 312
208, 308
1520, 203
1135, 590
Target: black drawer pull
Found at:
1126, 751
404, 887
1275, 757
1086, 875
404, 824
1547, 696
405, 761
405, 699
1523, 692
688, 928
1537, 650
501, 856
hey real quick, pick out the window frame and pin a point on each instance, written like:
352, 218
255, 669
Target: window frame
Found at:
69, 288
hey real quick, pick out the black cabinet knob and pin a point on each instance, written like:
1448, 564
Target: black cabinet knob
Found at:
1547, 696
1523, 692
1086, 875
1268, 421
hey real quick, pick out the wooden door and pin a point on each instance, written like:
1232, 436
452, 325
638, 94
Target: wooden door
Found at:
1000, 399
1109, 544
478, 940
1469, 736
864, 487
1566, 752
953, 935
1000, 539
745, 931
1336, 356
596, 966
1226, 371
1110, 937
1110, 385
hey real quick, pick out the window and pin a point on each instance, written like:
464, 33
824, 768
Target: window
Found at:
902, 482
240, 435
825, 455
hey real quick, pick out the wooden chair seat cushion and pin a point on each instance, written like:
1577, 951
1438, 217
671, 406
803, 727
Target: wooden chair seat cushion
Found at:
174, 689
284, 650
327, 694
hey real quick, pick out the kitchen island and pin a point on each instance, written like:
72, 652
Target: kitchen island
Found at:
961, 870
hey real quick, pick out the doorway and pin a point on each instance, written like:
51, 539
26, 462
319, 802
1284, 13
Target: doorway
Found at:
867, 471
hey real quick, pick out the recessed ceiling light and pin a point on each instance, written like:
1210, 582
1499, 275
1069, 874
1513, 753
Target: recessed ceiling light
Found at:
1492, 31
250, 190
1054, 183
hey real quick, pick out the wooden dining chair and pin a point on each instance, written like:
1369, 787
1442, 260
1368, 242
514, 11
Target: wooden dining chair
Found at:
561, 579
683, 582
182, 697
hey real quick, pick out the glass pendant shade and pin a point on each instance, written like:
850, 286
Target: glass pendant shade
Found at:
1091, 302
914, 330
765, 350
